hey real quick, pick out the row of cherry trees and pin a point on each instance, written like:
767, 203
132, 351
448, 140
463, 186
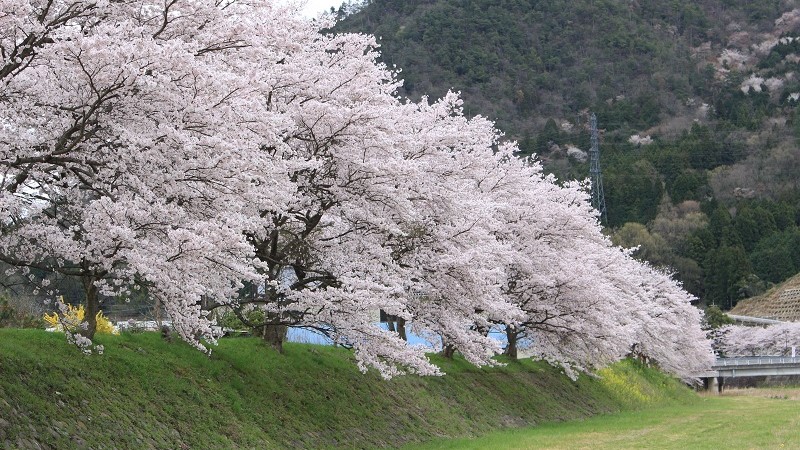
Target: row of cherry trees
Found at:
219, 153
772, 340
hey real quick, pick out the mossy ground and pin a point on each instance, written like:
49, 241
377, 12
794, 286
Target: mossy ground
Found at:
148, 393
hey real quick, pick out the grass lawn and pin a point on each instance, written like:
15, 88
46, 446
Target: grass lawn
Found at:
739, 419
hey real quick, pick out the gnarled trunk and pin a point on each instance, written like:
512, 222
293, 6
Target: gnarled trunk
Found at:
511, 348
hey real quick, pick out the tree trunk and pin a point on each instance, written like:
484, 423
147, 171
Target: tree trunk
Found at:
448, 351
275, 335
390, 323
511, 348
91, 309
401, 328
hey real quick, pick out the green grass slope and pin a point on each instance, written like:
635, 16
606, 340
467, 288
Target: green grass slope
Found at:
712, 423
148, 393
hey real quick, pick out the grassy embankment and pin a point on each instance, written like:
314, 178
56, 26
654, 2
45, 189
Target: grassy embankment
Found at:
145, 392
739, 419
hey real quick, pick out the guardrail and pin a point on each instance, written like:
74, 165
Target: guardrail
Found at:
756, 320
755, 361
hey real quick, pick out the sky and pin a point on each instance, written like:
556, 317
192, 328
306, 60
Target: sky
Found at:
314, 7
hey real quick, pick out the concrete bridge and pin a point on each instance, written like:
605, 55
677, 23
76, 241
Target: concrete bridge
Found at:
751, 366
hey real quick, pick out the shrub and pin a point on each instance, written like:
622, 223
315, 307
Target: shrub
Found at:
73, 317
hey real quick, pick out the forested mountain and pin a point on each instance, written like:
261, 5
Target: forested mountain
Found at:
525, 61
697, 102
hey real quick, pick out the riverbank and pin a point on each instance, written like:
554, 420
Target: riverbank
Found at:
144, 392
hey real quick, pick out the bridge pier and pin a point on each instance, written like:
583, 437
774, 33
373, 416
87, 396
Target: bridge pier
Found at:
720, 384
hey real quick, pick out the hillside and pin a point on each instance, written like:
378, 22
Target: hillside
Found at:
716, 79
148, 393
781, 302
524, 62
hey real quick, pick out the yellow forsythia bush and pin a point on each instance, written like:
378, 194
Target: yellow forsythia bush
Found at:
74, 316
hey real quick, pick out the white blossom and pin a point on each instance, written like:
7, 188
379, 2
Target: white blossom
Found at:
576, 153
753, 82
640, 140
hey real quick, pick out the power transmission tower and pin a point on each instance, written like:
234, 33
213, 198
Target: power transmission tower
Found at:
598, 196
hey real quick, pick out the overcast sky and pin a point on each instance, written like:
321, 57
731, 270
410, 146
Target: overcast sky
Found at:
314, 7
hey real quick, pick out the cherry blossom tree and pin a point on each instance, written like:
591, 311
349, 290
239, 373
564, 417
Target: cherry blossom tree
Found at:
449, 245
572, 314
132, 137
586, 302
668, 327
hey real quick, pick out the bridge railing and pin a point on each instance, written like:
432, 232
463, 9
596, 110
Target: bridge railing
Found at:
755, 361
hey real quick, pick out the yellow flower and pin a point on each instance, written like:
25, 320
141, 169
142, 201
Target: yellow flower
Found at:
73, 318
